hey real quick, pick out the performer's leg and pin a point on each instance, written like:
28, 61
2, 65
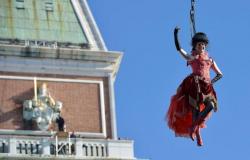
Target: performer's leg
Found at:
195, 115
209, 106
198, 137
198, 117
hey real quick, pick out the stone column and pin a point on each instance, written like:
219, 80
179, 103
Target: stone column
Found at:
46, 147
78, 147
12, 146
112, 106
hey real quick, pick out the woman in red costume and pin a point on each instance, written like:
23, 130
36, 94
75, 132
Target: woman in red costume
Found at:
195, 98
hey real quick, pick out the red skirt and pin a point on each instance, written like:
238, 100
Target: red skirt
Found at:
180, 112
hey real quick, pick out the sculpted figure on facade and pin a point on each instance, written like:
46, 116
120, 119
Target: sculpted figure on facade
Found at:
42, 109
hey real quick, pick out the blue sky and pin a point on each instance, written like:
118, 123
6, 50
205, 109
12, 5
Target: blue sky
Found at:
152, 69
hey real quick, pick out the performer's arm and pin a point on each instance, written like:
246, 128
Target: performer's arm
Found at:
217, 71
184, 54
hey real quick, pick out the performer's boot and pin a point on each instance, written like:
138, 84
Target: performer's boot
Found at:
209, 106
193, 128
203, 114
199, 118
198, 137
192, 133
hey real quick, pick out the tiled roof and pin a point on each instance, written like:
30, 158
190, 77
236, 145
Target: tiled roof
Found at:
42, 20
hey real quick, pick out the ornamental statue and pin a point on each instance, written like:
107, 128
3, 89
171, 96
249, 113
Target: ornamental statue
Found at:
42, 109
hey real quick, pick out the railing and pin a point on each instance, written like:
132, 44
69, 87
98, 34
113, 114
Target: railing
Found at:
44, 43
28, 147
3, 146
71, 147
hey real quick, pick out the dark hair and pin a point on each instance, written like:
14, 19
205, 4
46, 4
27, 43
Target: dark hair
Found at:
199, 37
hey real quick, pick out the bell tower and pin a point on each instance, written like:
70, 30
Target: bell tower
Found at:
56, 83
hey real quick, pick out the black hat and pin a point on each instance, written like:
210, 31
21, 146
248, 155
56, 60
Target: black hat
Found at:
199, 37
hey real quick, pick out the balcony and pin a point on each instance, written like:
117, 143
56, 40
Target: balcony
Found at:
55, 147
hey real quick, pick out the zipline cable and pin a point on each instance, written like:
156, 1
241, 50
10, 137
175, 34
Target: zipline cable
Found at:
192, 18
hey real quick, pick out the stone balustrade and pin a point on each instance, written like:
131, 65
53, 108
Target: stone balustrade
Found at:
65, 147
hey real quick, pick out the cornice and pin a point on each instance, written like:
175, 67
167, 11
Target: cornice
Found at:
59, 60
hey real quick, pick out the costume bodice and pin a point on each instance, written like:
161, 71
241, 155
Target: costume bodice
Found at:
201, 65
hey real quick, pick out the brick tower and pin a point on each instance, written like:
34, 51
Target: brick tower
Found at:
56, 83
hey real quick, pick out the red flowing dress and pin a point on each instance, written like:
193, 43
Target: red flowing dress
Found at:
191, 94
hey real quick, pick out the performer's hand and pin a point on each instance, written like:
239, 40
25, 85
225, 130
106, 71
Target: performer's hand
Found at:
176, 29
176, 41
216, 78
215, 108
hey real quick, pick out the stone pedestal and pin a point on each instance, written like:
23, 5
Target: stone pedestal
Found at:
78, 148
45, 147
12, 146
121, 149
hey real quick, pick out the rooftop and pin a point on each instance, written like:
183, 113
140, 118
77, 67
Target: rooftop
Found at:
40, 20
